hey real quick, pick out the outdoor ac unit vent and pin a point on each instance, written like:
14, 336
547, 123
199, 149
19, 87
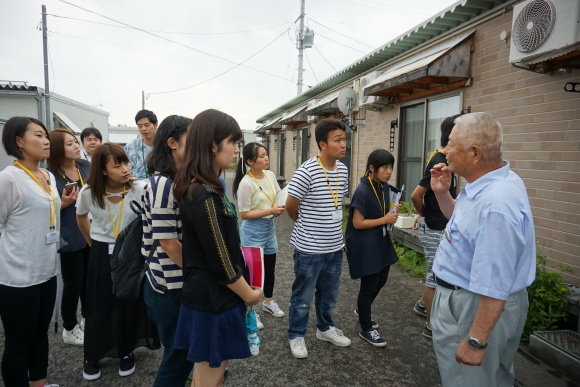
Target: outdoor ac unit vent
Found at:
541, 26
369, 101
311, 119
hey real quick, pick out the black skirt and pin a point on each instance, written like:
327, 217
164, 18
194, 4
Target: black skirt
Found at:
113, 327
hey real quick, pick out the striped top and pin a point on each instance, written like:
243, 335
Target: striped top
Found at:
315, 231
160, 216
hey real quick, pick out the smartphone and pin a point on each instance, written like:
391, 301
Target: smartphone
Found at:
69, 187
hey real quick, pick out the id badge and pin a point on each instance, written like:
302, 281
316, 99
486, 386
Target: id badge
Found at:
337, 214
111, 248
52, 237
384, 231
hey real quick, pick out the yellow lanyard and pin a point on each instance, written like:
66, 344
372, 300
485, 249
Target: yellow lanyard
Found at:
80, 178
116, 229
335, 196
51, 197
434, 152
383, 205
264, 192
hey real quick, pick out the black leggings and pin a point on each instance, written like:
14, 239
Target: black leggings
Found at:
73, 267
370, 286
26, 314
270, 272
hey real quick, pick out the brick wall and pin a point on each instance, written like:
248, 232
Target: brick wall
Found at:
541, 125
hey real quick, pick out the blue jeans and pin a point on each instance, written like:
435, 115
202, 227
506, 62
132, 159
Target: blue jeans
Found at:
259, 233
163, 310
316, 275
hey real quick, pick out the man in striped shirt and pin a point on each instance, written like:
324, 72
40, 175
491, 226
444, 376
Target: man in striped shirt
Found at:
315, 204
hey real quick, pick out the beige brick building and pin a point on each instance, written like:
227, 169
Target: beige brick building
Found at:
460, 60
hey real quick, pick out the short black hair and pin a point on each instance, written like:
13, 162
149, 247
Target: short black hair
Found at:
146, 114
88, 131
16, 127
379, 158
446, 128
326, 126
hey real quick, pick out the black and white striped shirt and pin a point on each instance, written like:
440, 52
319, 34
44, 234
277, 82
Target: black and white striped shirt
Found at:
315, 231
160, 216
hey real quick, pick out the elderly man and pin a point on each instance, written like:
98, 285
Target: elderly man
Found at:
485, 261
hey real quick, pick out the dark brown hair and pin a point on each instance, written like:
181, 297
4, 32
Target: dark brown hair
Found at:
57, 158
207, 128
99, 160
17, 127
326, 126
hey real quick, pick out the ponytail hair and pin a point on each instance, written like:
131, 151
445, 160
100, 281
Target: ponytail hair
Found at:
250, 152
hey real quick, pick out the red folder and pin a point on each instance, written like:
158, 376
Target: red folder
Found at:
254, 257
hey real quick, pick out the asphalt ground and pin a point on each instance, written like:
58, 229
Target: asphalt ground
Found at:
407, 360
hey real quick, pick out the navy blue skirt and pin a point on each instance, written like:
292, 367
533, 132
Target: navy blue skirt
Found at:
210, 337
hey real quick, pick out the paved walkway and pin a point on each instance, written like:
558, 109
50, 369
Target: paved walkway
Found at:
408, 359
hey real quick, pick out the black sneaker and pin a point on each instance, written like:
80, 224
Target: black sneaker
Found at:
427, 331
91, 370
420, 309
374, 324
127, 365
373, 337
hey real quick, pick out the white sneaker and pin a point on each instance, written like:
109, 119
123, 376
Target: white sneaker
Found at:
259, 322
273, 309
298, 347
74, 337
82, 324
334, 336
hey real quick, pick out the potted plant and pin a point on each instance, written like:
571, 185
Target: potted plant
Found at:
406, 216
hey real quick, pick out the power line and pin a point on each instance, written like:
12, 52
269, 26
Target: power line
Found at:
174, 42
342, 44
346, 36
171, 32
227, 71
323, 57
311, 68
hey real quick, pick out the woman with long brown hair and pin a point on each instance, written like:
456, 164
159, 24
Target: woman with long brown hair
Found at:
114, 328
70, 174
215, 293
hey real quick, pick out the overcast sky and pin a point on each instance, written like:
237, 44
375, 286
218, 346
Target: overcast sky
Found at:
181, 43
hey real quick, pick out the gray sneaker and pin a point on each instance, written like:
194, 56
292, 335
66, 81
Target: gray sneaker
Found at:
333, 335
420, 309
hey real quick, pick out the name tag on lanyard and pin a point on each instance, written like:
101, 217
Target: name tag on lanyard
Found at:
111, 248
337, 214
52, 237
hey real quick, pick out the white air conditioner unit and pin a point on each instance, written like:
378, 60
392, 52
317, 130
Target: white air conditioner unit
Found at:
369, 101
311, 119
541, 26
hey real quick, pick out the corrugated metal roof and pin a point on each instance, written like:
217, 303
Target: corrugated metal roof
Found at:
453, 16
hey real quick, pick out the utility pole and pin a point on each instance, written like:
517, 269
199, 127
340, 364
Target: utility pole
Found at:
142, 99
48, 122
301, 47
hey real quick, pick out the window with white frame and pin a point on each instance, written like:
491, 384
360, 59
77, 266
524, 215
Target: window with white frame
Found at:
420, 129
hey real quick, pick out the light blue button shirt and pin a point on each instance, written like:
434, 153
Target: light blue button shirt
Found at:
137, 152
490, 245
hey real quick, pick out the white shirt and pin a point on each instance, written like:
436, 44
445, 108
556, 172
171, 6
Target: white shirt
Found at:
25, 258
85, 156
101, 226
251, 198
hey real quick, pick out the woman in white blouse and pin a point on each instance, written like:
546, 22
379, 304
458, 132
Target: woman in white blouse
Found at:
256, 188
113, 327
29, 227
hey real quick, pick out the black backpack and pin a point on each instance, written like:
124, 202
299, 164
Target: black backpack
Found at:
128, 265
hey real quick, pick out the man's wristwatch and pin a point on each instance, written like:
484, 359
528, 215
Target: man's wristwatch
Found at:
474, 343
